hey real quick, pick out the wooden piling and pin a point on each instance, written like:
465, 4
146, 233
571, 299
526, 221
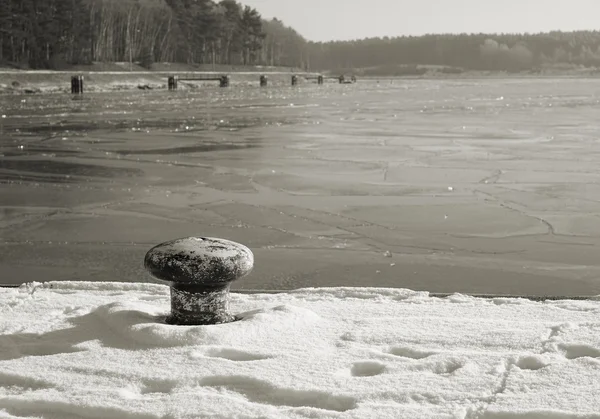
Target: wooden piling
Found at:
77, 85
172, 83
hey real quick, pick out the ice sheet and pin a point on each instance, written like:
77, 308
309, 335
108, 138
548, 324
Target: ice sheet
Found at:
486, 186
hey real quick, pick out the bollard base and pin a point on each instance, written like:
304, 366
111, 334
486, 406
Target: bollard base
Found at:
199, 305
174, 320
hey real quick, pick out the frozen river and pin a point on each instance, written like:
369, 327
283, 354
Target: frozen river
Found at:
477, 186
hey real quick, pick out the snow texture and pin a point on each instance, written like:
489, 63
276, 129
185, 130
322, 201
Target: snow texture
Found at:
103, 350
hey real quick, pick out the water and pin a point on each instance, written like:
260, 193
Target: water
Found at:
475, 186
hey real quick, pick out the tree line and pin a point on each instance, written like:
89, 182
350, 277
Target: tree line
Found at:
494, 52
52, 33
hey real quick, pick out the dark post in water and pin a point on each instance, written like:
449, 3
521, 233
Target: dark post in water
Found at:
224, 81
77, 85
172, 82
294, 80
320, 79
342, 79
263, 81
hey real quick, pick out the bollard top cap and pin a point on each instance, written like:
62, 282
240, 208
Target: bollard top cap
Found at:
199, 261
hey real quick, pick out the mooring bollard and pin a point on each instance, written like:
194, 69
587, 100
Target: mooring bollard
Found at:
172, 83
294, 80
199, 271
263, 81
77, 85
224, 81
320, 80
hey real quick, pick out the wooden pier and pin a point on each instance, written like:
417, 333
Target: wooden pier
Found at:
173, 81
342, 79
223, 80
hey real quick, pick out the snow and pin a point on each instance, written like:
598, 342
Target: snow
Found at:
102, 350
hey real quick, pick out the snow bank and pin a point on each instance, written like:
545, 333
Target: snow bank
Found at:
101, 350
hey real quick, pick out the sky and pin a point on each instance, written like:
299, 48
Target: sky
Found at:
323, 20
85, 349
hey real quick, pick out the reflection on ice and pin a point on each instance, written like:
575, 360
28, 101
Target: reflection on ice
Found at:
422, 184
67, 169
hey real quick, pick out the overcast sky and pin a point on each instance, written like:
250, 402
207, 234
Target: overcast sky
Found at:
323, 20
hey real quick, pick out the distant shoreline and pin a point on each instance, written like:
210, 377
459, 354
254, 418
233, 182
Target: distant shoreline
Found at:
114, 77
105, 77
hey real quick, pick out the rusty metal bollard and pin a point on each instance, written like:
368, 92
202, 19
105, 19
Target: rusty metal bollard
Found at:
199, 271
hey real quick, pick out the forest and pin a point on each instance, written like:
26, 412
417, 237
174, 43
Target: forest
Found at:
49, 34
459, 52
52, 34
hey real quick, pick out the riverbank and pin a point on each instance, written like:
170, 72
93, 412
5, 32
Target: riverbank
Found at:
110, 79
102, 77
440, 71
25, 82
